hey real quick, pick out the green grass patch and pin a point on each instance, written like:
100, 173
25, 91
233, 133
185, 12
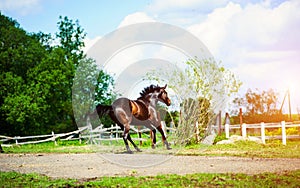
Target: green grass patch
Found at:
273, 149
285, 179
78, 147
50, 147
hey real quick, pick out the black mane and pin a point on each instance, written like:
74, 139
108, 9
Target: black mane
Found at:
150, 89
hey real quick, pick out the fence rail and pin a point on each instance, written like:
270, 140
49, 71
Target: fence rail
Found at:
114, 132
92, 135
41, 138
263, 126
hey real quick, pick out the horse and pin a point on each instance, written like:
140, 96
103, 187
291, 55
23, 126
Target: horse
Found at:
141, 111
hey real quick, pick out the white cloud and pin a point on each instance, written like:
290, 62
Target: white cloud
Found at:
138, 17
251, 34
182, 13
23, 7
259, 26
159, 6
213, 31
89, 43
258, 39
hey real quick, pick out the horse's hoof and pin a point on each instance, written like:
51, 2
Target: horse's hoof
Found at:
138, 150
167, 145
129, 152
153, 146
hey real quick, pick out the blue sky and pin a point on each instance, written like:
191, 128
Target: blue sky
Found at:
256, 39
97, 17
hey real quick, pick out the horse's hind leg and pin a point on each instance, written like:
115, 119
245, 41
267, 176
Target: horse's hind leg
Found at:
153, 138
164, 138
126, 137
134, 145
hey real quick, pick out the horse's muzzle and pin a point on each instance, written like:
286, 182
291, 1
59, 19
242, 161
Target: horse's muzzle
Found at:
168, 103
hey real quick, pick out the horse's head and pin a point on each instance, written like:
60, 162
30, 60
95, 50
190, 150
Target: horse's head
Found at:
163, 96
155, 93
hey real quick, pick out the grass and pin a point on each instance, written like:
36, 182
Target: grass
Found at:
50, 147
272, 149
286, 179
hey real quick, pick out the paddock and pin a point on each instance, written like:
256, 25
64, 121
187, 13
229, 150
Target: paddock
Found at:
93, 165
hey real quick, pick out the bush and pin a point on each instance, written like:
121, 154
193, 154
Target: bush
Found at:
220, 137
289, 131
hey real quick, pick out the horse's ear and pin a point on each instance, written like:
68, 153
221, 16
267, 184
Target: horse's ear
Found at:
165, 86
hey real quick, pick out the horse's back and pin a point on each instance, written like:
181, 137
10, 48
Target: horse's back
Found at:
125, 108
121, 103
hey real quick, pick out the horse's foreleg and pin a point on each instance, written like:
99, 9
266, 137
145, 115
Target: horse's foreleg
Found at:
125, 137
164, 137
153, 138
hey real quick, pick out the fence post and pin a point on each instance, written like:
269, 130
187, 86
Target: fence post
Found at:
220, 122
16, 139
262, 132
53, 135
117, 133
227, 130
111, 134
244, 130
241, 120
197, 132
79, 135
283, 132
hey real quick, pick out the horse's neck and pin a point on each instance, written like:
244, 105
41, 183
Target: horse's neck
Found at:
151, 100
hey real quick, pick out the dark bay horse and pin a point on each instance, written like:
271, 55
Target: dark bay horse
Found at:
141, 111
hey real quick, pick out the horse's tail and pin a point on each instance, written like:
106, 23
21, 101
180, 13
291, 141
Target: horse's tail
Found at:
99, 112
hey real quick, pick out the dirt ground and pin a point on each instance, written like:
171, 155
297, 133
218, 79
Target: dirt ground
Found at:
91, 165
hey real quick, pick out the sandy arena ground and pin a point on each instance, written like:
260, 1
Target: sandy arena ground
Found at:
92, 165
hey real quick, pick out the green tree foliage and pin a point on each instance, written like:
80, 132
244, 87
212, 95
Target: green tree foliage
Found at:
90, 88
259, 106
172, 117
71, 37
19, 53
37, 78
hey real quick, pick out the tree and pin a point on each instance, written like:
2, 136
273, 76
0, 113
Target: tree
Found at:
37, 78
91, 87
203, 87
19, 53
259, 106
71, 37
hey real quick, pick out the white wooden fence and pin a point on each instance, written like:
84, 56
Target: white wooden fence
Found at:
19, 140
95, 135
99, 134
263, 126
114, 133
